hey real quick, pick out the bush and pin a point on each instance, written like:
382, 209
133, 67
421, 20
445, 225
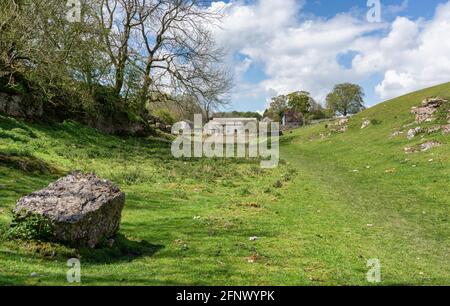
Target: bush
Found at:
28, 226
375, 122
165, 116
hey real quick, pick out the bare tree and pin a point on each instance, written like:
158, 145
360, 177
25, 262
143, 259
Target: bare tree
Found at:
169, 43
180, 53
117, 21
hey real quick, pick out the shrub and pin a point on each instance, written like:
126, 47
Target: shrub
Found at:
28, 226
165, 116
375, 122
278, 184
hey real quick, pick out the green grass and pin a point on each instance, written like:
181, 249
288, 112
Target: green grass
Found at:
188, 222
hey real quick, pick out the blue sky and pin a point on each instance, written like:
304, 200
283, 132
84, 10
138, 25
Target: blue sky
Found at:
329, 8
259, 32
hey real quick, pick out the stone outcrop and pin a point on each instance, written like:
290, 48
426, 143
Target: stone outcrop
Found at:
413, 132
120, 124
13, 105
428, 108
116, 123
82, 209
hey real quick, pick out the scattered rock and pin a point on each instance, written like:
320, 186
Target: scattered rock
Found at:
396, 133
34, 274
343, 129
365, 124
423, 147
446, 129
81, 209
409, 150
434, 129
343, 121
340, 126
429, 145
323, 136
413, 132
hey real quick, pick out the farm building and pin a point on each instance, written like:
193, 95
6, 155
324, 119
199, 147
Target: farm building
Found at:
231, 126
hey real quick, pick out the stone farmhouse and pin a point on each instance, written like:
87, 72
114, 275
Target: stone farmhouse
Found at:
231, 126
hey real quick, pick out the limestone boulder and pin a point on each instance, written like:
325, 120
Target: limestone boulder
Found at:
82, 209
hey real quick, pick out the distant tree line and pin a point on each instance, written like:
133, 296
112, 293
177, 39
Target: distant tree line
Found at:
136, 56
344, 100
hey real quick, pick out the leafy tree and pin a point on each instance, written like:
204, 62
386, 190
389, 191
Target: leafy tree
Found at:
346, 99
317, 112
278, 107
165, 116
300, 101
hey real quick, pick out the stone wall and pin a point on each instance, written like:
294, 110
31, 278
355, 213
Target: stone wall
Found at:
118, 123
14, 105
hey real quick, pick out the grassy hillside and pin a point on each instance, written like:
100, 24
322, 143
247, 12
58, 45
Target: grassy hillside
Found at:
333, 203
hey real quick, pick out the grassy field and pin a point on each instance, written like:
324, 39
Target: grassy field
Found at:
333, 203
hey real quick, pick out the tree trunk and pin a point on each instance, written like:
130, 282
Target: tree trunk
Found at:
119, 79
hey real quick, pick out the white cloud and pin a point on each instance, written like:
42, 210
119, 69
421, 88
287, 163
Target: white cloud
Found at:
413, 55
242, 67
396, 9
395, 84
297, 54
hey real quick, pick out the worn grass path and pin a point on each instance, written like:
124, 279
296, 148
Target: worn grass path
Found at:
338, 222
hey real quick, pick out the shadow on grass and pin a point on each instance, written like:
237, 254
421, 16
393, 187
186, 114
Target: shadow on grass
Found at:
59, 279
9, 124
123, 250
27, 163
